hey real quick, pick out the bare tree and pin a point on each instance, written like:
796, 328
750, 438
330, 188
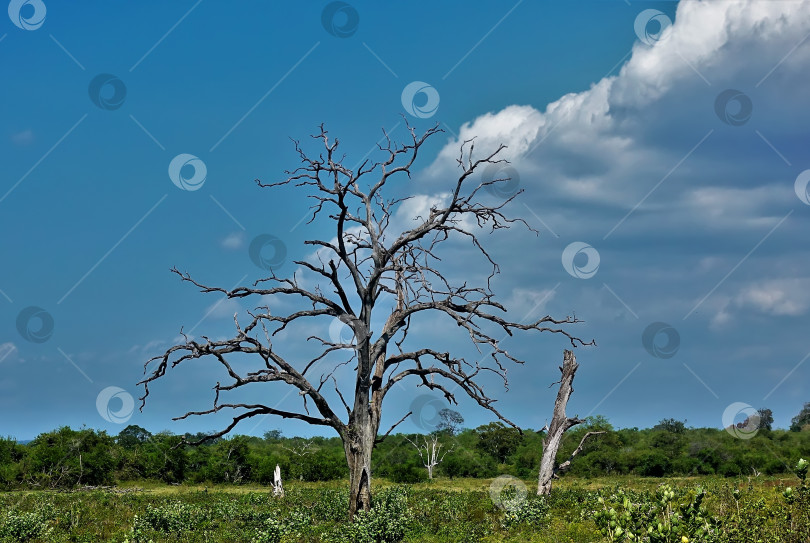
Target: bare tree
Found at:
560, 424
301, 448
362, 263
430, 451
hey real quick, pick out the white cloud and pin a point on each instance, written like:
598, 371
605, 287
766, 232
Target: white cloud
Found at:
778, 297
782, 297
233, 241
734, 207
720, 319
415, 210
149, 347
641, 166
527, 304
611, 145
514, 126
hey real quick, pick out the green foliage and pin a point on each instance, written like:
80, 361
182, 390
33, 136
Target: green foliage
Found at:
173, 518
716, 511
469, 463
802, 420
322, 465
408, 473
271, 531
531, 511
25, 526
765, 419
596, 423
450, 421
671, 425
386, 522
652, 464
132, 436
668, 516
11, 455
331, 505
66, 458
498, 440
226, 462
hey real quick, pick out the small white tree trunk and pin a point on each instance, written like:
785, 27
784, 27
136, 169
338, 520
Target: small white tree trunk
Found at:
278, 489
430, 452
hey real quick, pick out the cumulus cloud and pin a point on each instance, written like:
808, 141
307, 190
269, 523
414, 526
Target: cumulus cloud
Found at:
653, 129
416, 209
645, 166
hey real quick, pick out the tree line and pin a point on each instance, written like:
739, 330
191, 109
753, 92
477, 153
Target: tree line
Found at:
65, 457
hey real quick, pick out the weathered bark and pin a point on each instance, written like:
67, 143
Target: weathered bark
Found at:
560, 424
358, 456
358, 444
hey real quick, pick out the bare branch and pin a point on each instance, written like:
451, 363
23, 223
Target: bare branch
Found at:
380, 439
565, 465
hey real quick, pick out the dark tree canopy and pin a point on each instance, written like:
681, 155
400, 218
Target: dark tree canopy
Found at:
132, 436
671, 425
800, 421
765, 418
450, 421
498, 440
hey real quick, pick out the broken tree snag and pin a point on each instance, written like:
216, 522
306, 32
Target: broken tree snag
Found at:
560, 424
278, 488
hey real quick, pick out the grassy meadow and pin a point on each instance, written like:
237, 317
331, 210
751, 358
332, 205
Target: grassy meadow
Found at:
627, 508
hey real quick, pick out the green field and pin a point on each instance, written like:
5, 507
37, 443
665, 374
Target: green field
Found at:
460, 510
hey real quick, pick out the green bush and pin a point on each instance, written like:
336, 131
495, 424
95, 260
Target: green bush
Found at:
24, 526
271, 531
331, 506
407, 474
386, 522
531, 511
173, 518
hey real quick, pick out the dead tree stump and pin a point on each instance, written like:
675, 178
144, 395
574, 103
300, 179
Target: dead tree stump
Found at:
560, 424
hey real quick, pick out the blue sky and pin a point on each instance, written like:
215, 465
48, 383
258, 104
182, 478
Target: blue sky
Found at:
625, 142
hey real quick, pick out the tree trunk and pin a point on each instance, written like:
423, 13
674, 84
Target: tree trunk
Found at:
358, 447
559, 425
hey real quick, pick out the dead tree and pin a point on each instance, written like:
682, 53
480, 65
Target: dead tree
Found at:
348, 279
302, 449
430, 451
560, 424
